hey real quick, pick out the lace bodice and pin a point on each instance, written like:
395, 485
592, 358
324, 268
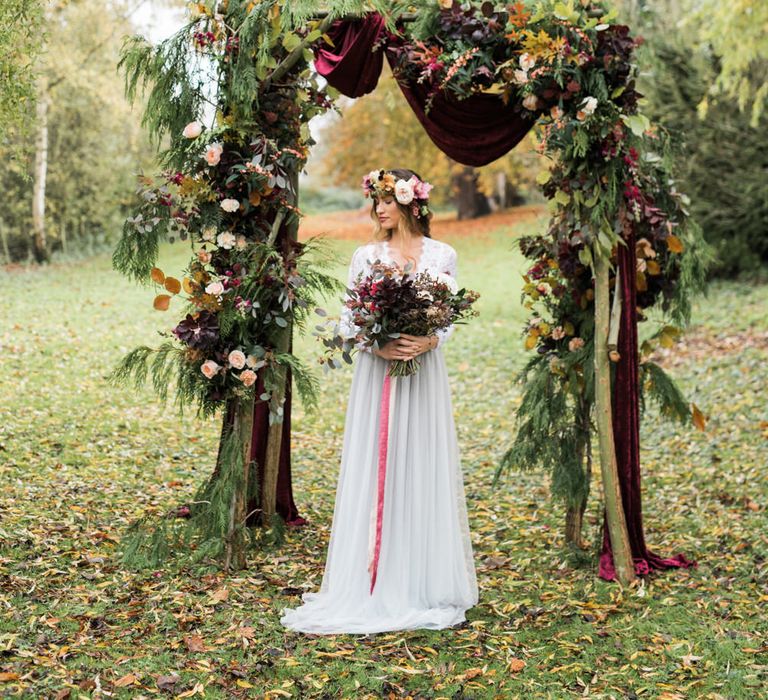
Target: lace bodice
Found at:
435, 257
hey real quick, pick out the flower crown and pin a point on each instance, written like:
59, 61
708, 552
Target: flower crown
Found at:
380, 183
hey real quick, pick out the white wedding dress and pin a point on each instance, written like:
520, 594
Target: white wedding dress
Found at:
425, 576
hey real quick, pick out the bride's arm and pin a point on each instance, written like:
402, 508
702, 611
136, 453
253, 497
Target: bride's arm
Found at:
450, 269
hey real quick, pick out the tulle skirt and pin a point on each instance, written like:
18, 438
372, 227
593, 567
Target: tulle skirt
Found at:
426, 574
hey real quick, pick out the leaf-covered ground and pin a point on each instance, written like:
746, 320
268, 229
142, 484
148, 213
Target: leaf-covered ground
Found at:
80, 459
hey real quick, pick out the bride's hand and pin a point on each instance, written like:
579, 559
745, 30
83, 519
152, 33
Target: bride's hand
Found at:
394, 350
416, 345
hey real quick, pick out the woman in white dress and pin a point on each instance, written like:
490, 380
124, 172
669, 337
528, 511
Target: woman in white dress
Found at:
400, 555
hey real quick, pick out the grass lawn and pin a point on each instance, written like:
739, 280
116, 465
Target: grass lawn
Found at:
80, 459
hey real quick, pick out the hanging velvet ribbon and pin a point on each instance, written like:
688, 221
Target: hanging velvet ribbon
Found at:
626, 429
474, 131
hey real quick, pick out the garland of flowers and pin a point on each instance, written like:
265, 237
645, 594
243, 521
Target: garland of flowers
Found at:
568, 67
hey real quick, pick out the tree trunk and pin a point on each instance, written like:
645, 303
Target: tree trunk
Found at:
470, 202
275, 434
614, 509
235, 559
41, 172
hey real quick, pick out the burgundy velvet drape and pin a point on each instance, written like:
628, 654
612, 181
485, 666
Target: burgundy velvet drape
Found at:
626, 429
477, 131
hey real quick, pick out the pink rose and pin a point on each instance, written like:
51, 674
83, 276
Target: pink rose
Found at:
237, 359
204, 256
213, 153
575, 344
210, 369
248, 377
422, 190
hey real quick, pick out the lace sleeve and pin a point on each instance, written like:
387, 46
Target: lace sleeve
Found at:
346, 327
449, 267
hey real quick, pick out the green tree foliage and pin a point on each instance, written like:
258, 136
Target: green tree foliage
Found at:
723, 161
96, 144
20, 40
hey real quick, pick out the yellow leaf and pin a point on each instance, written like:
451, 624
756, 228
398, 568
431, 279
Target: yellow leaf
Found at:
243, 684
254, 198
698, 417
642, 283
172, 285
162, 302
157, 275
187, 284
128, 679
5, 677
674, 244
653, 267
530, 342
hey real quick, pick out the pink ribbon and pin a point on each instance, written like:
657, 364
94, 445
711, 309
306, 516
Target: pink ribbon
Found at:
382, 472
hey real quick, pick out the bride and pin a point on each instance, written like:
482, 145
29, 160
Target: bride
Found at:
400, 555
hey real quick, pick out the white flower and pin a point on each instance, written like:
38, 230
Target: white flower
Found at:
237, 359
192, 130
213, 153
209, 233
254, 362
448, 281
521, 77
215, 289
589, 105
373, 176
210, 369
226, 240
242, 243
230, 205
527, 61
404, 191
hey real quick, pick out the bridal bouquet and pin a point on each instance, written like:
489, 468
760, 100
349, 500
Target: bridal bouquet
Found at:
387, 302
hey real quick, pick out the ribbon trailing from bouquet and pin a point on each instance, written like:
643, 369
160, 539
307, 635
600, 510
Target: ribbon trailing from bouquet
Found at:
385, 418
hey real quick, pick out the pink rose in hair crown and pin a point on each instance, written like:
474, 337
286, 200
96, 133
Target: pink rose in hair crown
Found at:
422, 189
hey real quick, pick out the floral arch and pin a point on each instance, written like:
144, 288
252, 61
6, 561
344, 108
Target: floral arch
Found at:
479, 76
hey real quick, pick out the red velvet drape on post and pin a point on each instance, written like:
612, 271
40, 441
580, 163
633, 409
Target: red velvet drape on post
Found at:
626, 429
477, 131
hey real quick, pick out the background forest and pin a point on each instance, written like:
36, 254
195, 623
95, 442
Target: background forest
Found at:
72, 146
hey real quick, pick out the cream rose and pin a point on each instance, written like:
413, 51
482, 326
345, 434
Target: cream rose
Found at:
213, 153
589, 105
204, 256
248, 377
210, 369
237, 359
531, 102
215, 288
575, 344
230, 205
209, 233
527, 61
241, 243
404, 191
521, 77
226, 240
192, 130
